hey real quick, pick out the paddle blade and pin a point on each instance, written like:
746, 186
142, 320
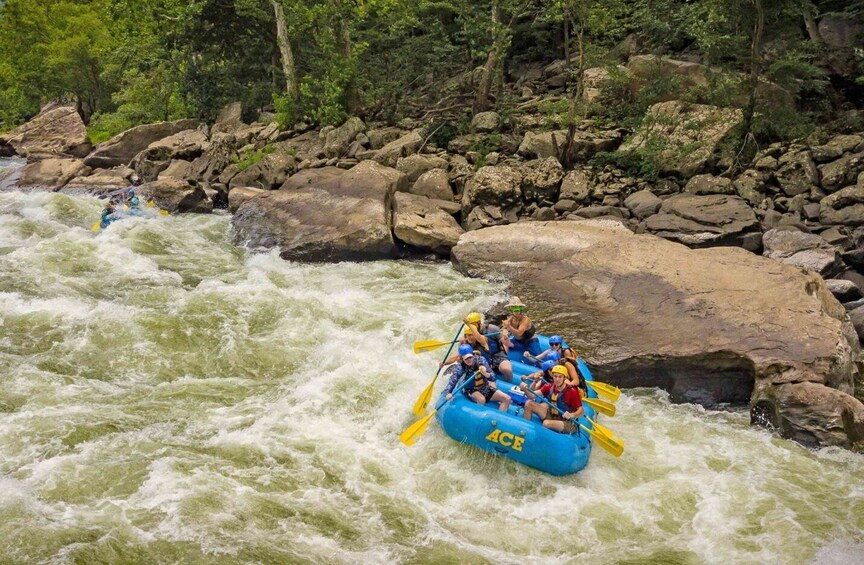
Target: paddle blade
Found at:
410, 436
602, 406
96, 227
614, 446
613, 393
151, 204
428, 345
423, 400
163, 212
601, 429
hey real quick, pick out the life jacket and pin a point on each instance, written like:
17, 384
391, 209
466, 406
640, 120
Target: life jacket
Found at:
557, 398
581, 384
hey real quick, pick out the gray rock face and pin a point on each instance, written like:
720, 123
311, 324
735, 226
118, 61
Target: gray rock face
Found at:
709, 184
804, 250
486, 122
337, 141
486, 216
731, 327
844, 291
643, 204
433, 184
497, 186
576, 186
52, 174
230, 119
269, 173
54, 131
378, 138
842, 172
420, 223
402, 147
844, 207
691, 134
797, 173
541, 179
839, 31
703, 221
325, 214
122, 148
416, 165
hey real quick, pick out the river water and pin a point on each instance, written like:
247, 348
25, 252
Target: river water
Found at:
167, 398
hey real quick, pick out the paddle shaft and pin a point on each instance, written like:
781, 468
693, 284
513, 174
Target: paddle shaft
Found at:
455, 390
544, 399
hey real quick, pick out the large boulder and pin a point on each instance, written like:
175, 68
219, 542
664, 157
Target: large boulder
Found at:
844, 207
543, 145
576, 186
269, 173
416, 165
187, 145
102, 181
54, 131
175, 195
422, 224
801, 249
486, 122
497, 186
433, 184
402, 147
123, 147
842, 172
552, 143
230, 119
731, 327
643, 204
336, 141
688, 134
838, 30
239, 195
52, 174
797, 173
705, 221
541, 179
709, 184
325, 214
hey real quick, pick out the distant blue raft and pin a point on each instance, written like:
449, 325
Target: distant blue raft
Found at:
509, 435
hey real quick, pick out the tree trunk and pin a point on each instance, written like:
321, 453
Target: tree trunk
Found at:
284, 44
566, 41
810, 22
755, 64
481, 100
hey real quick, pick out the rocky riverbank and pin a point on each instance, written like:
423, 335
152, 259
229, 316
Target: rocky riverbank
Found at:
735, 327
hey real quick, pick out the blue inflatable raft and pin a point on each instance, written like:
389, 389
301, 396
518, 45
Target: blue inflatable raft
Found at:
508, 434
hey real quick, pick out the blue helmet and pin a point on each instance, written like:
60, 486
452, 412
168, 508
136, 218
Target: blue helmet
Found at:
547, 365
131, 192
555, 340
466, 349
553, 356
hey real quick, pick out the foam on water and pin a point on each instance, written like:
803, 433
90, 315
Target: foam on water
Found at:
169, 398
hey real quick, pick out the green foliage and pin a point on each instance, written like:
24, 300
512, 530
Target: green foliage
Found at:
637, 163
254, 157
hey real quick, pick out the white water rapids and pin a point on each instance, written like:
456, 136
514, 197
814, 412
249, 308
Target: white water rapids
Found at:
169, 398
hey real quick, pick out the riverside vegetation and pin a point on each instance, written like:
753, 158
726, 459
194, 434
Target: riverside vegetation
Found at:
362, 130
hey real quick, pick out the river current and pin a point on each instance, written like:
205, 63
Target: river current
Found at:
166, 397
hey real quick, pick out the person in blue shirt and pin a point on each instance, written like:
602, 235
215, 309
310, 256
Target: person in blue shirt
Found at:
132, 200
107, 215
481, 388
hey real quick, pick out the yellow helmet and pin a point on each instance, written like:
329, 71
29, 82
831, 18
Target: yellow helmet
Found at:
559, 370
473, 318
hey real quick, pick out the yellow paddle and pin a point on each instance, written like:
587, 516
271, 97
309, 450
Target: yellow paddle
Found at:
96, 227
600, 429
602, 406
425, 345
410, 436
426, 396
614, 446
613, 393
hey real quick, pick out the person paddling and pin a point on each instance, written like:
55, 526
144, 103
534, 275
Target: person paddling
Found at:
132, 200
107, 215
541, 377
492, 347
481, 388
565, 398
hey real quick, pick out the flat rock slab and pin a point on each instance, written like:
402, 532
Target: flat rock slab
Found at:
709, 325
